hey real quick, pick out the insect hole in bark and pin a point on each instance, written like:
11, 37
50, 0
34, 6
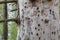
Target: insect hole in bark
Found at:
46, 20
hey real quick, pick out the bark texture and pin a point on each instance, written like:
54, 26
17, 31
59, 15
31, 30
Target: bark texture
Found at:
39, 20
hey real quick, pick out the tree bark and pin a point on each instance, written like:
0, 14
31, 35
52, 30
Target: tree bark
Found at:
39, 20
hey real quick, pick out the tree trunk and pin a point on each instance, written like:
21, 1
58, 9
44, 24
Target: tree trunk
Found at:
39, 20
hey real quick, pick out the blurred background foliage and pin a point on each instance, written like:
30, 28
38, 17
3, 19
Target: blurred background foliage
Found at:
12, 26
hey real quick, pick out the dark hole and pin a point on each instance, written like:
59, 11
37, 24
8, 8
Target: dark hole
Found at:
38, 29
27, 18
37, 34
37, 8
38, 15
46, 21
50, 11
54, 33
39, 38
25, 2
43, 32
35, 28
42, 19
32, 33
25, 6
38, 24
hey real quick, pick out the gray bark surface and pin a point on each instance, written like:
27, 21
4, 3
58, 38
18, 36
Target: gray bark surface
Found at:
39, 20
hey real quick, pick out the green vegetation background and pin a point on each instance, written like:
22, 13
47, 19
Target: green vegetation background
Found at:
12, 29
